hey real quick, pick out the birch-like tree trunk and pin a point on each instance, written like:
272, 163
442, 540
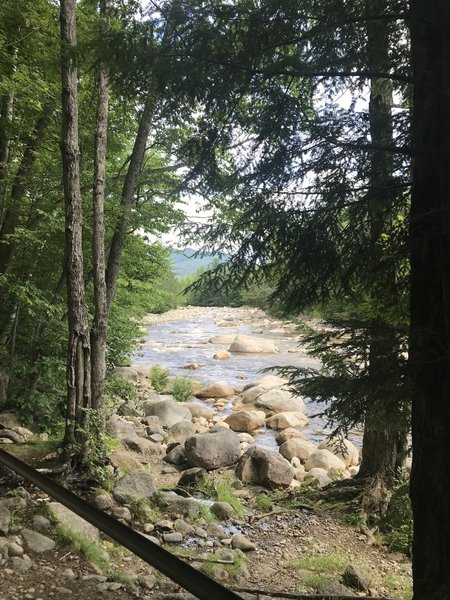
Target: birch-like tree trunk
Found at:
78, 357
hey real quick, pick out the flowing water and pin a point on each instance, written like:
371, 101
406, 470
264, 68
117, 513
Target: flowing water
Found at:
182, 337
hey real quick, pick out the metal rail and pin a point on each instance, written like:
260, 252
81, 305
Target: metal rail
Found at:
192, 580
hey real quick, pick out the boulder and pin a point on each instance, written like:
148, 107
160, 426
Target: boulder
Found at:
244, 420
318, 476
176, 455
265, 467
168, 410
5, 517
181, 430
288, 434
356, 578
134, 485
142, 446
193, 476
241, 542
343, 449
213, 449
223, 339
220, 389
301, 449
121, 459
71, 521
222, 510
36, 542
284, 420
278, 400
119, 428
324, 459
200, 410
177, 505
253, 345
222, 355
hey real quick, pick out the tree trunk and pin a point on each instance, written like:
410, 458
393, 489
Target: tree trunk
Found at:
380, 436
7, 113
99, 328
430, 299
78, 356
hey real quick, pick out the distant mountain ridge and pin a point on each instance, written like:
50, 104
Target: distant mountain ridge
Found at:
186, 263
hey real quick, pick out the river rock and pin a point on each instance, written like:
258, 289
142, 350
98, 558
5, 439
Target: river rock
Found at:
241, 542
119, 428
134, 485
223, 339
213, 449
142, 445
222, 355
324, 459
283, 420
75, 524
253, 345
289, 433
301, 449
181, 430
177, 505
122, 459
356, 578
318, 476
343, 449
244, 420
36, 542
168, 410
278, 400
265, 467
220, 389
200, 411
222, 510
176, 455
5, 517
193, 476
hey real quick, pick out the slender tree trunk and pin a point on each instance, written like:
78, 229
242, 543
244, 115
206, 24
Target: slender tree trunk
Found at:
12, 213
99, 329
430, 299
78, 358
380, 437
131, 183
7, 113
128, 193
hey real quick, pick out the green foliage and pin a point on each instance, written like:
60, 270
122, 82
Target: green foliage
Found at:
92, 551
263, 503
118, 388
182, 389
221, 490
159, 377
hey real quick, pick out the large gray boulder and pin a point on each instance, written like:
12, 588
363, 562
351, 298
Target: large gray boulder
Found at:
219, 389
119, 428
213, 449
253, 345
265, 467
278, 400
71, 521
246, 420
168, 410
36, 542
298, 448
134, 485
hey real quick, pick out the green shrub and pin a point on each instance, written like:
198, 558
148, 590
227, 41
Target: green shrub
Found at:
118, 388
182, 388
159, 377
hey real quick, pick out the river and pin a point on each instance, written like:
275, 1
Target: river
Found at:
182, 337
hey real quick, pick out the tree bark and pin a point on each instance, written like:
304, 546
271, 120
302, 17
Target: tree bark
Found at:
7, 113
99, 328
78, 356
379, 449
430, 299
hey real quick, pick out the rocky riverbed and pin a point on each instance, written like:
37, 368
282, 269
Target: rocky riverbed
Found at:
200, 478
